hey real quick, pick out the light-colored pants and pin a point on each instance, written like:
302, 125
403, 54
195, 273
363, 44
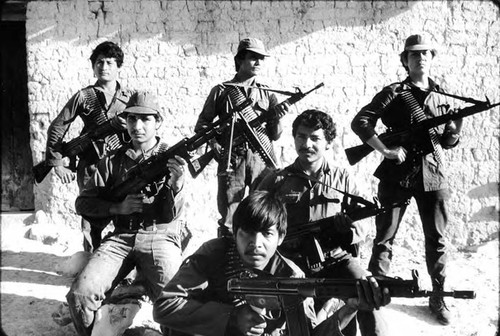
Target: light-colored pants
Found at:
155, 254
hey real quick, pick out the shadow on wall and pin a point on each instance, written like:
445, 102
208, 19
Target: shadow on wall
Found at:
204, 27
488, 213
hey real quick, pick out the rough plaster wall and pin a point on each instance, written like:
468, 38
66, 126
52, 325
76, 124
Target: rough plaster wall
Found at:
180, 49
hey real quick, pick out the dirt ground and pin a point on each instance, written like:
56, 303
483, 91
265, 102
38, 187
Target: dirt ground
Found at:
31, 290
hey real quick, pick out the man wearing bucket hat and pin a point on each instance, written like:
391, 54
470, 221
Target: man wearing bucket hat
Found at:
403, 176
147, 231
246, 166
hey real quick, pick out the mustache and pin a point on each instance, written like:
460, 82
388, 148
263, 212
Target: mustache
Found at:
306, 150
253, 251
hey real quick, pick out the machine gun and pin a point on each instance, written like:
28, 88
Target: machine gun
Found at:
254, 126
75, 147
317, 236
271, 296
420, 130
154, 168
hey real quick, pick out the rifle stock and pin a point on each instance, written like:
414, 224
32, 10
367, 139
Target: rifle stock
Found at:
393, 138
75, 147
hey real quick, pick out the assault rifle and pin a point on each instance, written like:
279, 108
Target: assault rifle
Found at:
294, 97
315, 236
271, 296
406, 137
75, 147
155, 167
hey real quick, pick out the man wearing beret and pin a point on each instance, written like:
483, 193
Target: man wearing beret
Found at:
403, 174
245, 166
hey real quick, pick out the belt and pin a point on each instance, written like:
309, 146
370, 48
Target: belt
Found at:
138, 226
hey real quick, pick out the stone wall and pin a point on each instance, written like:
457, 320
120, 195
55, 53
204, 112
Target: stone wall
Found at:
180, 49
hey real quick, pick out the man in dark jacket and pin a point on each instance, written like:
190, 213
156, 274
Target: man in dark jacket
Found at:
404, 174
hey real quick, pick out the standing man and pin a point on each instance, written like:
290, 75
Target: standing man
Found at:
308, 189
245, 165
95, 105
196, 300
404, 174
147, 230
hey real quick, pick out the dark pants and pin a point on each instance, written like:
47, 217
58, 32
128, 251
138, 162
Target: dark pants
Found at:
432, 209
92, 232
247, 168
371, 323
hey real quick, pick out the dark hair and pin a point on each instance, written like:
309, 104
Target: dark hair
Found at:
108, 49
259, 211
404, 57
316, 119
238, 58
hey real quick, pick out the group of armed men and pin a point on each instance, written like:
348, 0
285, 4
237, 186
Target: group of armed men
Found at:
258, 205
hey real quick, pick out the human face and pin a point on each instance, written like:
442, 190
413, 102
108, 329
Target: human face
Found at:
105, 69
310, 145
142, 128
257, 248
419, 62
251, 65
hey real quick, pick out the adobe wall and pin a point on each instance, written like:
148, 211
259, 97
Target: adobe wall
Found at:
180, 49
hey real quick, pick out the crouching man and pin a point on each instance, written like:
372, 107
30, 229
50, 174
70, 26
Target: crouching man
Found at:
196, 300
147, 231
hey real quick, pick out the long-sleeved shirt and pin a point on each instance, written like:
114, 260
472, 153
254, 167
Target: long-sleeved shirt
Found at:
77, 106
218, 105
161, 206
388, 106
196, 300
308, 200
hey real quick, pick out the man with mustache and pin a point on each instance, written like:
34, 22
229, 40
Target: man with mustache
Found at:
196, 300
308, 189
245, 165
402, 176
147, 227
94, 104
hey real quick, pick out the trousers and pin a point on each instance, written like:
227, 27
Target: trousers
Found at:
433, 214
155, 254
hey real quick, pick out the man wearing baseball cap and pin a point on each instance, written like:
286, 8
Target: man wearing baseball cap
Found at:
147, 231
245, 166
406, 174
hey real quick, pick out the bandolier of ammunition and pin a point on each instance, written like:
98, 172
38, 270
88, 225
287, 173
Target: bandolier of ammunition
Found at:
256, 135
233, 266
418, 115
98, 114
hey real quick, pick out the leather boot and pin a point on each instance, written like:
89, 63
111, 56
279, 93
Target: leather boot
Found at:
437, 305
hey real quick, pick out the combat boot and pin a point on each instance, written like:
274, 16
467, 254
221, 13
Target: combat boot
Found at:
437, 305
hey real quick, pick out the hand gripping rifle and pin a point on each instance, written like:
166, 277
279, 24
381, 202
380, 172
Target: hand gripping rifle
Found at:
316, 236
406, 137
77, 146
275, 295
155, 167
238, 139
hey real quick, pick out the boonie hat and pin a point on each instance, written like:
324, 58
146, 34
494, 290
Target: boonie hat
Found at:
142, 102
418, 42
252, 44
